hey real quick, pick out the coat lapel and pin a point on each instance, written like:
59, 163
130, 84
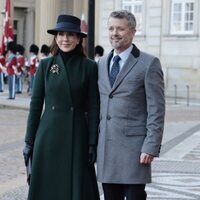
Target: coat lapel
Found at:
105, 66
60, 62
128, 65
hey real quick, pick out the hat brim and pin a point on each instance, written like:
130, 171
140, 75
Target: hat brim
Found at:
56, 30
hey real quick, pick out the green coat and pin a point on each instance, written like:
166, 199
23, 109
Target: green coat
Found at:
64, 129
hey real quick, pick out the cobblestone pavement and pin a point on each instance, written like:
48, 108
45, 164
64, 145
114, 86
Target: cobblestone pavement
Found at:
176, 173
12, 171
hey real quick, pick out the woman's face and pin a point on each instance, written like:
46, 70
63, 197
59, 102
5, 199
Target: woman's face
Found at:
67, 41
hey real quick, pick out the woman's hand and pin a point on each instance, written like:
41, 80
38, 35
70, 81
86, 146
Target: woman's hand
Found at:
27, 153
92, 154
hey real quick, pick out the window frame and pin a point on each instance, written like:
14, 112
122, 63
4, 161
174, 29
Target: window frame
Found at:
139, 20
182, 21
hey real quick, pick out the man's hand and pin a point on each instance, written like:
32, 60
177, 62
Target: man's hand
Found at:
146, 158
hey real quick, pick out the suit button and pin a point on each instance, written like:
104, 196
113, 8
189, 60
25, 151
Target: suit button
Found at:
108, 117
111, 96
53, 107
71, 108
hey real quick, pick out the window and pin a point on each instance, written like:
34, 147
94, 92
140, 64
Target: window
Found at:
182, 17
136, 7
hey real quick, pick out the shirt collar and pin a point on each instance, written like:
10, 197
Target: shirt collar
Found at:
124, 55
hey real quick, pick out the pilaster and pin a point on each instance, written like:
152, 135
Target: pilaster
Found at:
47, 12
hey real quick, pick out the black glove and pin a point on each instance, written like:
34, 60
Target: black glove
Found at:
92, 154
27, 153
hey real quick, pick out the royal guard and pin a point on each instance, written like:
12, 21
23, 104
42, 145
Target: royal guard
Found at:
11, 68
20, 68
2, 67
33, 64
45, 51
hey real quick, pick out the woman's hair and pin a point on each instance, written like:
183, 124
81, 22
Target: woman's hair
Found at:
54, 49
127, 15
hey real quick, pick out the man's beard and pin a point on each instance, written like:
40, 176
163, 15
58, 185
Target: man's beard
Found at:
115, 44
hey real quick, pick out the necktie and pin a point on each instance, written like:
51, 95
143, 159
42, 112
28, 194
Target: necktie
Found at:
114, 70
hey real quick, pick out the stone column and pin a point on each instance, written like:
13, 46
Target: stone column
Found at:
29, 32
46, 16
81, 9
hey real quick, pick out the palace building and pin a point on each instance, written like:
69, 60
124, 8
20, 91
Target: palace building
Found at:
169, 29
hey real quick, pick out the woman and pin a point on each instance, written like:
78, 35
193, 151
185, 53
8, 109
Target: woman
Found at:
63, 139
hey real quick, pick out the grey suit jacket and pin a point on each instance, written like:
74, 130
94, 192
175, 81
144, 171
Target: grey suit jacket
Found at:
131, 118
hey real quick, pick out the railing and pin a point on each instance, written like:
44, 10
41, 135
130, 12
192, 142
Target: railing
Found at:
183, 95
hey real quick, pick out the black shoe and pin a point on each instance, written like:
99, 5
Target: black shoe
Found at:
1, 90
11, 98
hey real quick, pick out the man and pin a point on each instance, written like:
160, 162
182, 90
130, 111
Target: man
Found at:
131, 114
11, 68
2, 66
20, 68
33, 65
98, 52
44, 51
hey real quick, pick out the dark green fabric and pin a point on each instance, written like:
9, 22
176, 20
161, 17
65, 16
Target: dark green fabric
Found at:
64, 131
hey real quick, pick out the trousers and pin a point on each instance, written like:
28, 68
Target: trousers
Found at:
120, 191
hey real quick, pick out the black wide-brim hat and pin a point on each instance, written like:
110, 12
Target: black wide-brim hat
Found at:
67, 23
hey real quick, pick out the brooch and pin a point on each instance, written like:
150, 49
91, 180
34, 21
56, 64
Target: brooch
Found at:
55, 69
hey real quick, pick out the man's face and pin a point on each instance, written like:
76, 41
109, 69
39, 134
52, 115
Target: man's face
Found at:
120, 34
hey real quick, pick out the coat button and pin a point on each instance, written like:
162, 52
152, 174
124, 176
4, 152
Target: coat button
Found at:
111, 96
53, 107
108, 117
71, 108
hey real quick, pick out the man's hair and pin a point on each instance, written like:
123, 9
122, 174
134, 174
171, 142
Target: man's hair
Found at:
127, 15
